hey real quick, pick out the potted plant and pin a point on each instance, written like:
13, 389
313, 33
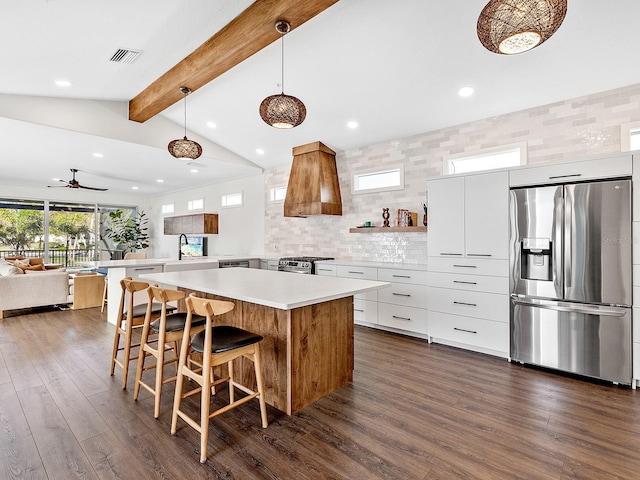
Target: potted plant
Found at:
128, 233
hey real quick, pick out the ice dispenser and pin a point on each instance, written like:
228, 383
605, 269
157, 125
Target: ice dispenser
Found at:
536, 259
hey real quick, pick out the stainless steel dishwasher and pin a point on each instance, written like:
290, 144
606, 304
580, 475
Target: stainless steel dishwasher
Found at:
234, 263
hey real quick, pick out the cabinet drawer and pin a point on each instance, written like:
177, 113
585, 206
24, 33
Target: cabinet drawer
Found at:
490, 306
474, 283
365, 273
329, 270
483, 334
573, 171
133, 272
365, 311
469, 266
404, 318
636, 361
399, 275
404, 294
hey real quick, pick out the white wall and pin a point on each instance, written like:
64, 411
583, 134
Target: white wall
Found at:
241, 229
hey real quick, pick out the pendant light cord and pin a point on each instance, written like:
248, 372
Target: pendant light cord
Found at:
282, 58
185, 114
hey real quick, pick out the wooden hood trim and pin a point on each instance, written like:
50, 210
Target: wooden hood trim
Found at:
245, 35
313, 187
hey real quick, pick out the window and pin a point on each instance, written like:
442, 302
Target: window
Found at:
277, 194
232, 200
168, 208
630, 136
378, 181
197, 204
488, 159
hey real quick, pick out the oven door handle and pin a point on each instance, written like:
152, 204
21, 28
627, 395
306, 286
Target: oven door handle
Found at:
293, 270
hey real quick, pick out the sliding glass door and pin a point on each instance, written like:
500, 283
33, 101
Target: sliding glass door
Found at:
59, 232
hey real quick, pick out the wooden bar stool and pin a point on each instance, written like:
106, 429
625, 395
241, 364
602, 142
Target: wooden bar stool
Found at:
218, 345
169, 329
132, 317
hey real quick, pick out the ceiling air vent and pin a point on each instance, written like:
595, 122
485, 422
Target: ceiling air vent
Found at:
124, 55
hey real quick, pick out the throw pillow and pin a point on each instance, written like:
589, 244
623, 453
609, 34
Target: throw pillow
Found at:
7, 269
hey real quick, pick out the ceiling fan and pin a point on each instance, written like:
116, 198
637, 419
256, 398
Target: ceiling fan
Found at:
73, 183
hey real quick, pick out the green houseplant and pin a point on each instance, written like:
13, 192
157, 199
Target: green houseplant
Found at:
128, 233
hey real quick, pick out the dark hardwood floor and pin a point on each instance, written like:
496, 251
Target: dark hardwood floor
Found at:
413, 411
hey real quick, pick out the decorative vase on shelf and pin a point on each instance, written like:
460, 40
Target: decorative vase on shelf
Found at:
424, 217
385, 217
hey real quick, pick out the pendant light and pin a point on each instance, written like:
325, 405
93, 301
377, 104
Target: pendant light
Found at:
515, 26
185, 149
282, 111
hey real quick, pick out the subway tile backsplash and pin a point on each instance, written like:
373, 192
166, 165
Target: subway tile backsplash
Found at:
561, 131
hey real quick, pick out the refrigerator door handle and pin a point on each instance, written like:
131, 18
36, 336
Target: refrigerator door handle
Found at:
569, 307
568, 238
557, 234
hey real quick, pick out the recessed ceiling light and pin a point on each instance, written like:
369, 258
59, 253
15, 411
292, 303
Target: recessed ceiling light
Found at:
135, 188
352, 124
63, 83
194, 170
259, 151
211, 125
160, 180
465, 91
98, 155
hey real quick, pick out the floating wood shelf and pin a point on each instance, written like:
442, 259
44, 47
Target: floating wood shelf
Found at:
387, 229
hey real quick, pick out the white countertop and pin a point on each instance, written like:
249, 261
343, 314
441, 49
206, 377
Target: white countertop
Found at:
280, 290
360, 263
148, 262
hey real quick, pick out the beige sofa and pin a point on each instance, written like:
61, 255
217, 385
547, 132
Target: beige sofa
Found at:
33, 289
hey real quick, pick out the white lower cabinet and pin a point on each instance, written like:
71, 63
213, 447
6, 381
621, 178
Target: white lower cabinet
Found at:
365, 312
401, 317
401, 308
485, 336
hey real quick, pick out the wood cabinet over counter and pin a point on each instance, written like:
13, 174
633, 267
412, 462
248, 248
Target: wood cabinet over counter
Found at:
198, 223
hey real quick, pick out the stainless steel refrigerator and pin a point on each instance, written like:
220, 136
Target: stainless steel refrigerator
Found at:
570, 278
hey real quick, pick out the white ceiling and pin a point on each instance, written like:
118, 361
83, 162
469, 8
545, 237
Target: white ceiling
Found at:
394, 67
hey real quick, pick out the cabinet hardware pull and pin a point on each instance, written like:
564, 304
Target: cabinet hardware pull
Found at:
357, 310
143, 268
566, 176
466, 283
401, 318
401, 294
401, 276
325, 270
463, 330
465, 266
467, 304
478, 254
445, 253
361, 273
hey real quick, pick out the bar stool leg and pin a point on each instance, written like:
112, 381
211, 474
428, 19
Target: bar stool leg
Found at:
257, 364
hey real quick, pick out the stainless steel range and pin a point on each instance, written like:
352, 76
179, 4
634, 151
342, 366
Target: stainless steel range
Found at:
300, 264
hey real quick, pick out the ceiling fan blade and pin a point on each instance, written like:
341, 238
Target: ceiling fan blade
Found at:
59, 186
93, 188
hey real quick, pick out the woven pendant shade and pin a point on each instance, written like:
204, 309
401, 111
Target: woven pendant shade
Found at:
282, 111
515, 26
185, 149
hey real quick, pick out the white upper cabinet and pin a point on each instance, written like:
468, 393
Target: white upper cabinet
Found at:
446, 217
487, 215
468, 216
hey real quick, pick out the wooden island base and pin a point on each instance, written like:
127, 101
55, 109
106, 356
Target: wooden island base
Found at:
307, 352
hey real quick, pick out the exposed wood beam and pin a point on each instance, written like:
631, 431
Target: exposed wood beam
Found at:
245, 35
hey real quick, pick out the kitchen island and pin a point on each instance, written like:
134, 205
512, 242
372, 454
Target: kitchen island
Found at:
119, 269
306, 322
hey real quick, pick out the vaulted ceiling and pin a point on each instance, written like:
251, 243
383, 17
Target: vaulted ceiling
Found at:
393, 67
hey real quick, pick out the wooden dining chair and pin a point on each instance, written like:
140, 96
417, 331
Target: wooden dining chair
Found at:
218, 345
169, 329
130, 316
